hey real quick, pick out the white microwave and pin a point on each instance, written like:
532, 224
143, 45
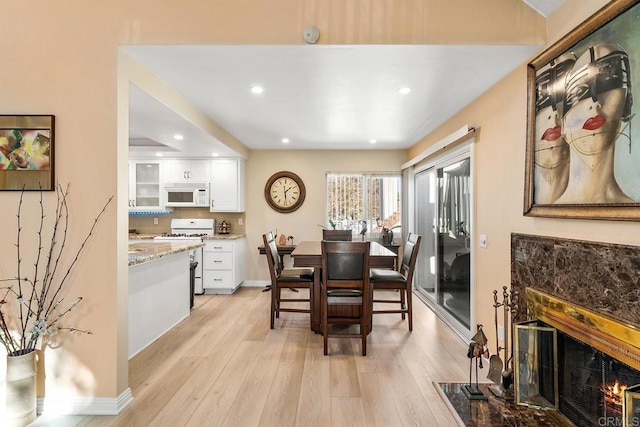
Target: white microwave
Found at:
192, 194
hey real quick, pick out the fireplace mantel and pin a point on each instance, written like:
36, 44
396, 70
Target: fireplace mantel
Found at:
617, 339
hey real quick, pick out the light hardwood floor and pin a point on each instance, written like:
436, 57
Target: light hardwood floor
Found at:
223, 366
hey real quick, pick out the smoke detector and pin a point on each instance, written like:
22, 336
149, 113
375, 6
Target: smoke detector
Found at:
311, 35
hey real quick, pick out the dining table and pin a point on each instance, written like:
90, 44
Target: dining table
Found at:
309, 254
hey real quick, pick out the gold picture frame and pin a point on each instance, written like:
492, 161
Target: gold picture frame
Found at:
582, 153
26, 152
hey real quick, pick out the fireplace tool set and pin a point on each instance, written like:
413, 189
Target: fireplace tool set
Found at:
500, 370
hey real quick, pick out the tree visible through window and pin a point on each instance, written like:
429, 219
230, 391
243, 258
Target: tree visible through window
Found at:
359, 201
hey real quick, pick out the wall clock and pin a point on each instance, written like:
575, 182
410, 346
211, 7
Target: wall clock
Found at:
284, 191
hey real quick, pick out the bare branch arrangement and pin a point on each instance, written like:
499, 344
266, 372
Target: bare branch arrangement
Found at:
40, 301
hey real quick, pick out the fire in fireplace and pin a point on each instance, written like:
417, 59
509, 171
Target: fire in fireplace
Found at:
613, 394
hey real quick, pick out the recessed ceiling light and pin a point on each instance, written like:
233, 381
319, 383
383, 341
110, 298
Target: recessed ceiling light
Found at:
257, 89
285, 140
178, 137
214, 154
372, 141
159, 154
404, 90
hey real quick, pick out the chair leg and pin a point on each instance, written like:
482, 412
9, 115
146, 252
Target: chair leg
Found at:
278, 296
325, 328
403, 301
273, 307
363, 331
410, 307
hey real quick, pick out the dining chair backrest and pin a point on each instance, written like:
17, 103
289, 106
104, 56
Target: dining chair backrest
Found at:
410, 255
346, 294
345, 260
271, 250
337, 235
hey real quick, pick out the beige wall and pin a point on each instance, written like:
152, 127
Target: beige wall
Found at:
64, 61
311, 166
500, 116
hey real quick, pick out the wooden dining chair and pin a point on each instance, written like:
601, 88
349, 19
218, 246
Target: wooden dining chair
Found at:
337, 235
285, 278
400, 280
346, 294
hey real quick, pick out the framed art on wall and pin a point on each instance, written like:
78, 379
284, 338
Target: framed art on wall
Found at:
583, 144
26, 152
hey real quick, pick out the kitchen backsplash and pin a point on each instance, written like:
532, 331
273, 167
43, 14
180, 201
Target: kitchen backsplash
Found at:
143, 224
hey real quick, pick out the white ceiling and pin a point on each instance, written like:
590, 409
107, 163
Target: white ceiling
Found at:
544, 7
318, 96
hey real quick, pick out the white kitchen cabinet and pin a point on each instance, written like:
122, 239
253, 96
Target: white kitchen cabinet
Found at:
145, 185
223, 265
227, 185
181, 170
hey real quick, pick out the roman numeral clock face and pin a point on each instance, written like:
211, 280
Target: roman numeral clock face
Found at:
284, 191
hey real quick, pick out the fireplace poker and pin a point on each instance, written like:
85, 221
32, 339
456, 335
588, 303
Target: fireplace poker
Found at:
513, 307
507, 373
495, 363
505, 304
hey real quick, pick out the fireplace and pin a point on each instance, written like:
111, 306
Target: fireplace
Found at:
592, 383
590, 294
586, 383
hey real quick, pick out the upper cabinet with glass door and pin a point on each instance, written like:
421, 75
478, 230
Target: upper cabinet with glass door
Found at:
145, 185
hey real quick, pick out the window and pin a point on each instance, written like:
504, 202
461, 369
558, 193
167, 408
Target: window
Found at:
364, 203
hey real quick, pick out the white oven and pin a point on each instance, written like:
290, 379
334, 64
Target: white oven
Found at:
191, 230
179, 194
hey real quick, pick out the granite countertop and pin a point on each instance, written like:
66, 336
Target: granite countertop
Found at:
149, 251
230, 236
135, 236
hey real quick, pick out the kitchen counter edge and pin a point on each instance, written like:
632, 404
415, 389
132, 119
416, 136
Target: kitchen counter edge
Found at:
149, 251
230, 236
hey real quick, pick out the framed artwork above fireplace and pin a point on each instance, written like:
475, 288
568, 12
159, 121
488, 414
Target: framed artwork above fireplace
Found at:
583, 144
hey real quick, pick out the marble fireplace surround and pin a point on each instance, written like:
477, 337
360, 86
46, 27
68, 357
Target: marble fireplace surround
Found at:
589, 290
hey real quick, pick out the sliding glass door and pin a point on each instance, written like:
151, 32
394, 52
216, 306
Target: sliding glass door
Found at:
425, 275
443, 200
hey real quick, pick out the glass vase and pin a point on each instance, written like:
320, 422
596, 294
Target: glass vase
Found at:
21, 389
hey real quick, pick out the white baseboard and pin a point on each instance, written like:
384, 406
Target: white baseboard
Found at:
84, 405
255, 283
